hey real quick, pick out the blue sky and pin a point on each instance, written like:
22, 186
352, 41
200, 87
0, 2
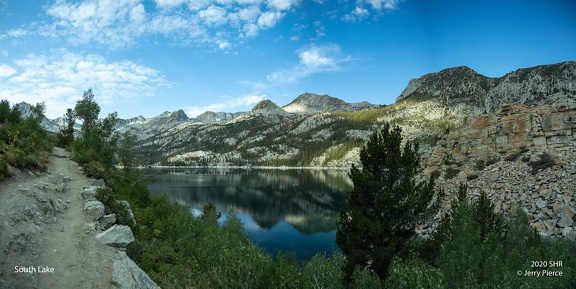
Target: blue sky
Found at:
150, 56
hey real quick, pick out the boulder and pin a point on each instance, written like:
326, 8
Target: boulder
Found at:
94, 210
116, 236
566, 231
107, 220
541, 204
565, 222
99, 183
89, 193
126, 274
568, 212
59, 205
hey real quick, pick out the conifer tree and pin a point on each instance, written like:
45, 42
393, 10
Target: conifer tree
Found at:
385, 205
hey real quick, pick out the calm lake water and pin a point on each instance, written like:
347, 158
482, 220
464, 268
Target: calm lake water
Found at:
286, 210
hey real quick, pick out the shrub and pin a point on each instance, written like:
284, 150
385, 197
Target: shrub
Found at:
31, 161
472, 176
413, 274
544, 162
4, 172
451, 172
95, 170
365, 278
15, 157
324, 271
108, 197
135, 250
480, 165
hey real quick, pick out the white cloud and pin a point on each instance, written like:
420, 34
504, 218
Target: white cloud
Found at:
223, 44
282, 4
6, 70
213, 15
114, 23
16, 32
227, 104
126, 23
387, 4
195, 5
249, 14
169, 3
138, 14
361, 11
356, 15
121, 24
250, 30
60, 77
312, 59
269, 19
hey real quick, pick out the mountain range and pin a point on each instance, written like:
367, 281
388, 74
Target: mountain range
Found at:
320, 130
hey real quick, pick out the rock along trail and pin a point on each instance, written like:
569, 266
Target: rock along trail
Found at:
44, 233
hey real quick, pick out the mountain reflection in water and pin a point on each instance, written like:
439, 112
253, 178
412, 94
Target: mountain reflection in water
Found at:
288, 210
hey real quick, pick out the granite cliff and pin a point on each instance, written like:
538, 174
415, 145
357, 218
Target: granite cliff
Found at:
520, 156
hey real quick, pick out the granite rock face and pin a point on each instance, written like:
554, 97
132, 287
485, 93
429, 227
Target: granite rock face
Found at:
515, 129
116, 236
521, 157
127, 275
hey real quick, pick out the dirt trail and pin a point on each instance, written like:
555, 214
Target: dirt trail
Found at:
37, 234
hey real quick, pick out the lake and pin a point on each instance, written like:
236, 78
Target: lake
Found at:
287, 210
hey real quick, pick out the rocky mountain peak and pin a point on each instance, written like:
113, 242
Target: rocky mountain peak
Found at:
216, 117
451, 85
539, 85
267, 106
309, 103
180, 115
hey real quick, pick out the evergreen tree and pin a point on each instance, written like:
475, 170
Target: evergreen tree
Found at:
98, 140
87, 110
385, 205
486, 219
126, 151
38, 112
66, 135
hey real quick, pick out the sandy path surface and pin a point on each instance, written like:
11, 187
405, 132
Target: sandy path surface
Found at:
45, 240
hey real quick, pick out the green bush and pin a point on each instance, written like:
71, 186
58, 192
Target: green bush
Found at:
480, 165
109, 197
4, 172
413, 273
365, 278
106, 196
451, 172
324, 271
15, 157
135, 250
95, 170
545, 161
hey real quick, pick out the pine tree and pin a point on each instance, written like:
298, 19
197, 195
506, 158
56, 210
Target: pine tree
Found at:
385, 205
